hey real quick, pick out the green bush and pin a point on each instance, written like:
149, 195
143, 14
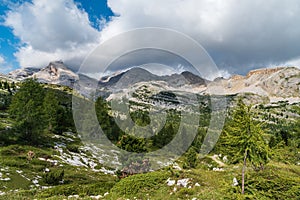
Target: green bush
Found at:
190, 159
184, 192
73, 148
139, 184
81, 189
53, 177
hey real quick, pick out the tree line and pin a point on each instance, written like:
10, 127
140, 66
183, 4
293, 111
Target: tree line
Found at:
37, 110
10, 87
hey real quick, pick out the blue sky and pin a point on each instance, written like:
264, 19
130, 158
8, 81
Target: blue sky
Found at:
9, 43
238, 35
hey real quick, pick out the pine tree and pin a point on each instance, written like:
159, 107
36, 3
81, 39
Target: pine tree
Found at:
13, 86
191, 158
164, 136
106, 122
244, 139
8, 89
5, 85
51, 111
26, 109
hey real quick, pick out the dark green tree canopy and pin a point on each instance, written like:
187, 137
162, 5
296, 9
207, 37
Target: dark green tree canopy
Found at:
26, 109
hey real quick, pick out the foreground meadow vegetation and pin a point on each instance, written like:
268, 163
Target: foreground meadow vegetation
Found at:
42, 156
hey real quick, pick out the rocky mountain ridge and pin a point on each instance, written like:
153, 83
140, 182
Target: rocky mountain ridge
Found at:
275, 83
137, 75
55, 73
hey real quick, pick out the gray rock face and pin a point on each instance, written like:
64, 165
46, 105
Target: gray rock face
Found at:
282, 82
271, 82
22, 74
137, 75
55, 73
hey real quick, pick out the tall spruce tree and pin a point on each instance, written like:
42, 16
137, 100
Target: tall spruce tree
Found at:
26, 109
51, 111
244, 140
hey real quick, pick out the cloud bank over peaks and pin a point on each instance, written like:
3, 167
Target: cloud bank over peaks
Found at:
239, 35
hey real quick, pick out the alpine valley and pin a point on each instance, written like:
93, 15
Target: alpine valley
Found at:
45, 154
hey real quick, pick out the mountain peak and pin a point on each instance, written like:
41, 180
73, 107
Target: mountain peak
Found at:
193, 79
55, 73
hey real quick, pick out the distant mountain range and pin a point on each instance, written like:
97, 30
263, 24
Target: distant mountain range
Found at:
281, 82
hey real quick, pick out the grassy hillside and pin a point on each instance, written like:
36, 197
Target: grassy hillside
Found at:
59, 166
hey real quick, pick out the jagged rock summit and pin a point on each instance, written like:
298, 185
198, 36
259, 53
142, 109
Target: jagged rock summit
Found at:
280, 82
55, 73
137, 75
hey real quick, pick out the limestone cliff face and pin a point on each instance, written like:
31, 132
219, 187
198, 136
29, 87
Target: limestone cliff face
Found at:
274, 82
267, 71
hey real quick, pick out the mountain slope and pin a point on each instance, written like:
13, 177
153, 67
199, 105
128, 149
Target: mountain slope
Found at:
55, 73
281, 82
137, 75
273, 82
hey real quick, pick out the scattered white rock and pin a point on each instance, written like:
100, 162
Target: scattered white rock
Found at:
194, 198
197, 185
225, 159
2, 193
176, 166
54, 162
218, 169
183, 182
76, 196
47, 170
106, 171
19, 171
105, 194
170, 182
174, 189
28, 179
5, 179
35, 181
96, 197
46, 187
235, 182
4, 169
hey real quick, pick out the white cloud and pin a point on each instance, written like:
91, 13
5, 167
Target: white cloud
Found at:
241, 34
51, 30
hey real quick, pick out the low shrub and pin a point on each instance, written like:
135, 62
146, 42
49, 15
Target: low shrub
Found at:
139, 184
73, 148
53, 177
